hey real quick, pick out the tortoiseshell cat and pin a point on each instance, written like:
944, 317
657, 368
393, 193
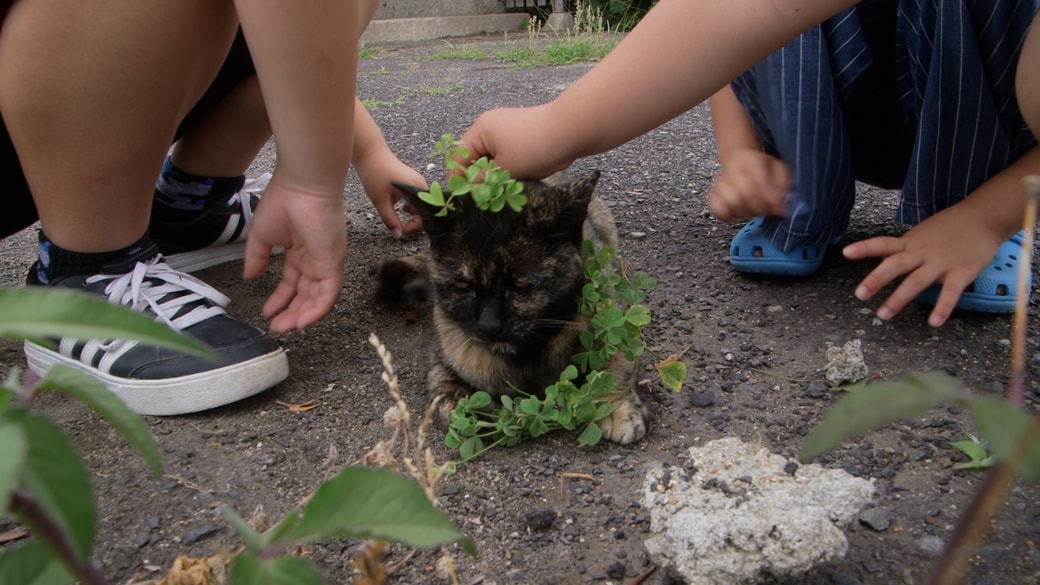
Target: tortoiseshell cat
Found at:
504, 289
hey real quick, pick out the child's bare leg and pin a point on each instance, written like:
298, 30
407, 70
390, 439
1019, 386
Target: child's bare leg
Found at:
226, 140
91, 103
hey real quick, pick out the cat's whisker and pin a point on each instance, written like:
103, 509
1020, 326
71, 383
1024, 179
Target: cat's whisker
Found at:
558, 323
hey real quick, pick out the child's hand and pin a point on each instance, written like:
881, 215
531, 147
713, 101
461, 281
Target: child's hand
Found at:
519, 140
949, 247
310, 225
377, 173
752, 184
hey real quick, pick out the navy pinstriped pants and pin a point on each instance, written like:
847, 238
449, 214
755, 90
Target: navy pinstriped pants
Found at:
901, 94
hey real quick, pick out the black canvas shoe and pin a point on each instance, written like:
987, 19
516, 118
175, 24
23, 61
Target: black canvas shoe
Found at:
215, 236
156, 381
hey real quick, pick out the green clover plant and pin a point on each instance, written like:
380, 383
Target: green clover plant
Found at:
489, 185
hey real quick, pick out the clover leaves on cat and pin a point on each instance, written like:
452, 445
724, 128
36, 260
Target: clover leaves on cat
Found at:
489, 185
612, 329
581, 395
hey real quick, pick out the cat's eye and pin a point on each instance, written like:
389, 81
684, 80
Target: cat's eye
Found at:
461, 284
521, 284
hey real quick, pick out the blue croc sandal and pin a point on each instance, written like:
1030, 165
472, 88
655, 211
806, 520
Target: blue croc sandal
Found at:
995, 290
752, 252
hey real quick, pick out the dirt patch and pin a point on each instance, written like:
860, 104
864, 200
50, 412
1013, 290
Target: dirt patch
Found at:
755, 350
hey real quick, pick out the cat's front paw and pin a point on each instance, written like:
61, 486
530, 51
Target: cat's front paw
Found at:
443, 409
626, 424
448, 390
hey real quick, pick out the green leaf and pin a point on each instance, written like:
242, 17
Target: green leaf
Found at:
603, 410
530, 406
478, 400
976, 452
470, 448
32, 563
642, 280
1003, 425
673, 373
481, 195
13, 449
638, 315
516, 202
435, 196
591, 435
37, 313
54, 475
93, 393
247, 569
366, 503
507, 401
880, 404
458, 185
569, 373
537, 427
514, 188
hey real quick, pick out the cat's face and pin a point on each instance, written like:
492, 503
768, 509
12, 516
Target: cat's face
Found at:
510, 280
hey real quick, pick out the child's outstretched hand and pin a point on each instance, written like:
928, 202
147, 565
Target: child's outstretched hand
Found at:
950, 247
311, 227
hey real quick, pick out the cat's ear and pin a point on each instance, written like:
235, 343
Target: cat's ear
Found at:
411, 194
573, 199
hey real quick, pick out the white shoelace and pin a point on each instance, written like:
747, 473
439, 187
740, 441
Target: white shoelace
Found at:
148, 285
245, 194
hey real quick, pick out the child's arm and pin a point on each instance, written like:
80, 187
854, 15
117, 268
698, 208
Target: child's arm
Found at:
377, 167
306, 61
752, 183
681, 53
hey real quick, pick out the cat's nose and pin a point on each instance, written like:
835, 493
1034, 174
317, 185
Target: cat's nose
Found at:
488, 323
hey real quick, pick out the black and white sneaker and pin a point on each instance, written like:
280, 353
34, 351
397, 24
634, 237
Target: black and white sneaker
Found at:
156, 381
216, 235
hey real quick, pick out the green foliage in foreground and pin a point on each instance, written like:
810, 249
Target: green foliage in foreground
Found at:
879, 404
46, 486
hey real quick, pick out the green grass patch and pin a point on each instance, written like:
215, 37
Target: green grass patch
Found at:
566, 51
365, 52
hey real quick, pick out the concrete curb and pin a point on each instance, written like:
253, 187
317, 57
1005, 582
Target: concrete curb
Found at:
402, 30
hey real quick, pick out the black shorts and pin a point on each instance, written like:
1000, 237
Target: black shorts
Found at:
19, 211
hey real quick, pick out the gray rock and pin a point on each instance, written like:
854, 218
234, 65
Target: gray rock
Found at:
778, 524
876, 519
845, 363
